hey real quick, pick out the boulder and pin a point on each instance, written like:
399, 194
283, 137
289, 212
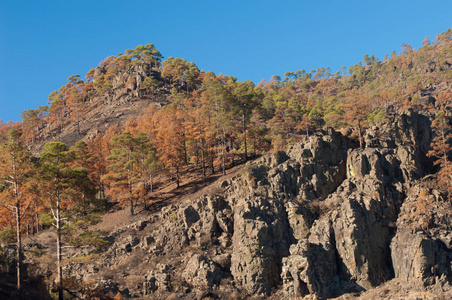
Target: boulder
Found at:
420, 259
190, 216
312, 266
201, 272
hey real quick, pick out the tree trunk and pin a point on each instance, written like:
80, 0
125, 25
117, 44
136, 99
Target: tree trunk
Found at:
360, 135
131, 199
36, 216
102, 191
212, 167
19, 253
254, 144
177, 176
131, 206
59, 254
185, 151
203, 162
223, 159
201, 142
244, 133
18, 230
129, 183
78, 128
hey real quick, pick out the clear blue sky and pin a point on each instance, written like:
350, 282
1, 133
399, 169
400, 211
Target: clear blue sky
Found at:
42, 43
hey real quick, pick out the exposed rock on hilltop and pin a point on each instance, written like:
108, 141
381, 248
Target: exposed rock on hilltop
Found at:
323, 218
125, 99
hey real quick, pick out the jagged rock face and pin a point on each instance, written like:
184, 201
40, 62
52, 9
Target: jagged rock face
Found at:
311, 267
157, 279
363, 210
420, 258
422, 247
322, 164
129, 80
201, 272
409, 135
260, 240
267, 214
197, 223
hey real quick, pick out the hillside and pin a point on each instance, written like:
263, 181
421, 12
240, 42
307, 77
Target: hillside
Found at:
323, 218
314, 185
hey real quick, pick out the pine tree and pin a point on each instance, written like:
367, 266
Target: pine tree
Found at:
122, 171
15, 170
146, 161
441, 149
171, 139
99, 151
62, 185
244, 103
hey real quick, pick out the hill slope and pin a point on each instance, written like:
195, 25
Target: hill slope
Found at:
323, 218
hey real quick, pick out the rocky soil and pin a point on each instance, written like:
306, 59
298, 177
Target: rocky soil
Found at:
323, 219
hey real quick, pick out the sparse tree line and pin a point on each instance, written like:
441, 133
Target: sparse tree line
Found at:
212, 123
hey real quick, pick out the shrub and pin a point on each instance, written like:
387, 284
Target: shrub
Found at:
3, 261
7, 236
46, 219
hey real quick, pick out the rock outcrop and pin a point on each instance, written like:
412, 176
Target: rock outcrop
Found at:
352, 239
421, 250
268, 214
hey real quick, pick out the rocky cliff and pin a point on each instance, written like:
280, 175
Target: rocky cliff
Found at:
322, 219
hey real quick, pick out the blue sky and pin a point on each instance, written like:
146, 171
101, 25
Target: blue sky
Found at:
42, 43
